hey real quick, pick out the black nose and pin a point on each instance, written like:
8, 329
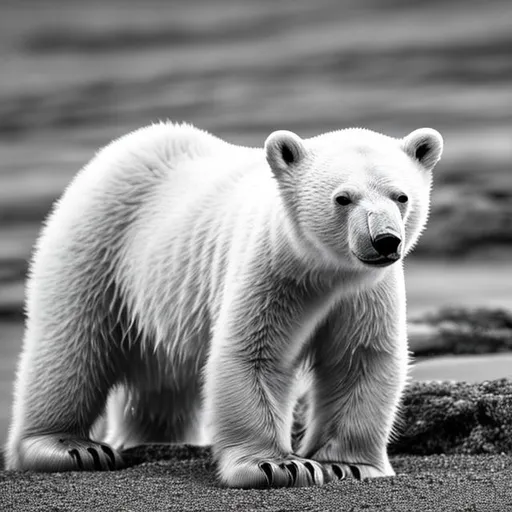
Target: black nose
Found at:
386, 244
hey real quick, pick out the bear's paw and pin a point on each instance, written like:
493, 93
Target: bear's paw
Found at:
292, 471
56, 452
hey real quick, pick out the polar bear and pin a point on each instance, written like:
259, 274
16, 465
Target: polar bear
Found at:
191, 290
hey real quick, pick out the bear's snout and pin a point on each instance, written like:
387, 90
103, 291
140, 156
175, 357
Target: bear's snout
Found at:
386, 244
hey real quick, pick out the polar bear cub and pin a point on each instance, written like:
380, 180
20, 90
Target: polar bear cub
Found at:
189, 289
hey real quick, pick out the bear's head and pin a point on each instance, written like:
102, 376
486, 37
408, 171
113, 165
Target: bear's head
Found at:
355, 197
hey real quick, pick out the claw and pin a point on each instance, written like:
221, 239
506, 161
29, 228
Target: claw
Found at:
284, 467
266, 467
355, 471
111, 457
75, 454
95, 458
311, 470
338, 471
292, 468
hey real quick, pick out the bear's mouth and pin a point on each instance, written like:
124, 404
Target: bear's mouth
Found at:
382, 261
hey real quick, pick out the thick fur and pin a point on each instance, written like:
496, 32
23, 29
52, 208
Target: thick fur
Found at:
196, 286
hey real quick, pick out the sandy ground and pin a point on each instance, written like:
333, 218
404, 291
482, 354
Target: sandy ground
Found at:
185, 482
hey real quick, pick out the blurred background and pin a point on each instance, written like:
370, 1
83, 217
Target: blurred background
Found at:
75, 75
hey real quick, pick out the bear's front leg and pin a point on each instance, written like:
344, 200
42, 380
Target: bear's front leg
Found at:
248, 388
360, 366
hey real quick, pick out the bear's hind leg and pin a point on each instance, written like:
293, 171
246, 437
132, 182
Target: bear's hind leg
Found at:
156, 403
137, 417
61, 389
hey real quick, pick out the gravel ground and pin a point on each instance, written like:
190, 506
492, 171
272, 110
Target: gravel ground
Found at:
454, 453
186, 482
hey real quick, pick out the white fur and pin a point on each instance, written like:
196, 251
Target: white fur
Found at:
193, 279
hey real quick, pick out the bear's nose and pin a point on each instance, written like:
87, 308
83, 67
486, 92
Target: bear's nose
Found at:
386, 244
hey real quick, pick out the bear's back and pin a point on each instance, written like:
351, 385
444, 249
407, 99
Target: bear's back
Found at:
156, 206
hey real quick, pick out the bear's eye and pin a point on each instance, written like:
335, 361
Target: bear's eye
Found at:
343, 200
402, 198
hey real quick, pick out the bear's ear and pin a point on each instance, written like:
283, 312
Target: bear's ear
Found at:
283, 150
424, 145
